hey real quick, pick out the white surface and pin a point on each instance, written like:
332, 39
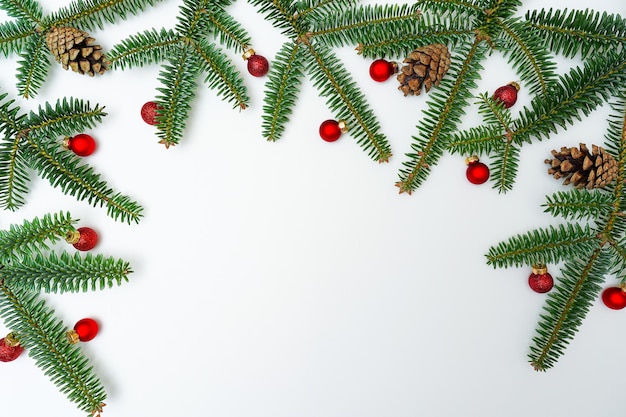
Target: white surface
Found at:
290, 279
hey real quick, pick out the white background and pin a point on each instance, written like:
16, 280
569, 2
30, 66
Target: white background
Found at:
291, 279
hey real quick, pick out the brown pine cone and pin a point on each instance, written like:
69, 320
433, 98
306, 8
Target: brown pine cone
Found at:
74, 49
425, 67
583, 169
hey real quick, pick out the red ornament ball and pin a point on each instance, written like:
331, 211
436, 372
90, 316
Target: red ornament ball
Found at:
477, 172
540, 279
81, 144
9, 350
149, 112
258, 65
86, 329
381, 70
507, 94
614, 298
331, 130
83, 239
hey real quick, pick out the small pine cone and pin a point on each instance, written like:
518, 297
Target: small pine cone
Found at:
425, 66
583, 169
74, 49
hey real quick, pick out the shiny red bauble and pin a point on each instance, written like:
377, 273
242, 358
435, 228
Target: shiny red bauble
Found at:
149, 112
258, 65
331, 130
614, 298
507, 94
477, 172
81, 144
83, 239
540, 279
10, 349
381, 70
86, 329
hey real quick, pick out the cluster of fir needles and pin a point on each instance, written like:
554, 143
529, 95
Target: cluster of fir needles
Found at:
30, 267
25, 35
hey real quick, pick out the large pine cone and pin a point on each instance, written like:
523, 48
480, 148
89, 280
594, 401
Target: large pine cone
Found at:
425, 66
74, 49
583, 169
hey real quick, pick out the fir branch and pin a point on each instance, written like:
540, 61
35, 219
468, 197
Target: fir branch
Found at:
227, 31
14, 175
67, 115
13, 36
579, 204
478, 140
33, 66
502, 9
280, 13
28, 10
149, 47
504, 167
66, 273
43, 335
456, 7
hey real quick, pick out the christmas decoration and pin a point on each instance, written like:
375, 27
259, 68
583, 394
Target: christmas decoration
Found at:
381, 70
257, 64
614, 298
29, 267
10, 348
27, 144
35, 36
476, 172
583, 169
331, 130
507, 94
84, 330
75, 49
425, 67
83, 238
81, 144
149, 112
540, 279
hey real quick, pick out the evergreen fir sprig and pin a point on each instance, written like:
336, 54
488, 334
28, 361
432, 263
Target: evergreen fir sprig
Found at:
588, 251
26, 35
185, 54
33, 142
313, 29
29, 266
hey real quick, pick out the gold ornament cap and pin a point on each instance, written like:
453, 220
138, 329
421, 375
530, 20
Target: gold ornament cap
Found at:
12, 340
72, 337
515, 85
72, 236
248, 53
66, 142
539, 269
343, 125
471, 159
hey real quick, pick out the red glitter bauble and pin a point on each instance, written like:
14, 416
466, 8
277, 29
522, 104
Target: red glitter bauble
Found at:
540, 279
84, 239
149, 112
614, 298
258, 65
381, 70
331, 130
86, 329
507, 94
477, 172
81, 144
9, 351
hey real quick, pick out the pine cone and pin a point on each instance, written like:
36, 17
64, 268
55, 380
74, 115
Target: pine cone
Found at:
426, 66
582, 168
74, 49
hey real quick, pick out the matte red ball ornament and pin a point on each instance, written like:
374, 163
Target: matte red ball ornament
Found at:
540, 279
614, 298
84, 331
331, 130
507, 94
381, 70
83, 238
477, 172
149, 112
258, 65
10, 348
81, 144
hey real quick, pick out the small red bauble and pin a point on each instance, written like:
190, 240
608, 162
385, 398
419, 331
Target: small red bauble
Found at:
81, 144
83, 238
84, 331
331, 130
477, 172
149, 112
257, 64
10, 348
540, 279
614, 298
381, 70
507, 94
